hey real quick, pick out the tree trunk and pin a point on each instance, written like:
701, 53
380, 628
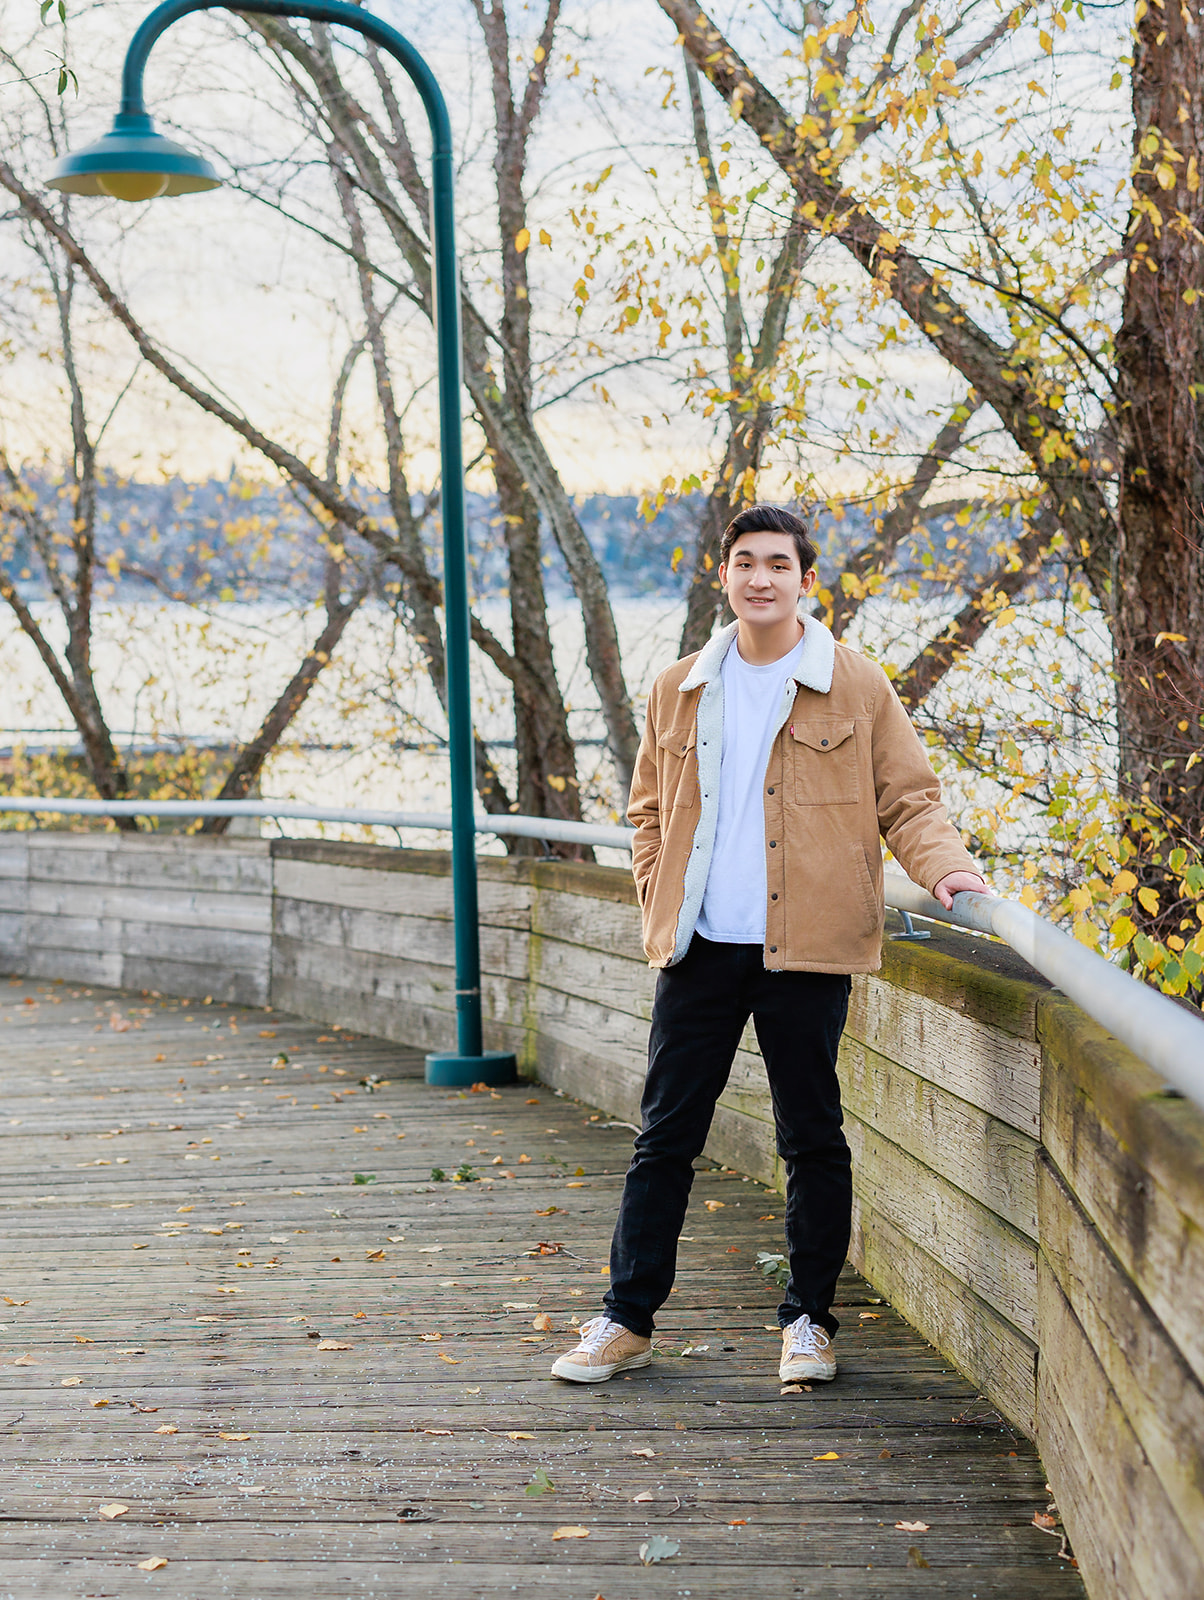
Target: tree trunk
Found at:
1158, 623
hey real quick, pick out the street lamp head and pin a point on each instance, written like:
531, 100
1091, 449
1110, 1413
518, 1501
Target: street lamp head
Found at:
132, 162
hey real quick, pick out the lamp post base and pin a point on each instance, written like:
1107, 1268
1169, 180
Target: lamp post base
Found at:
491, 1067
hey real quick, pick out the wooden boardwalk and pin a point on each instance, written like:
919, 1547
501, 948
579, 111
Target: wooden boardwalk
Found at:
244, 1333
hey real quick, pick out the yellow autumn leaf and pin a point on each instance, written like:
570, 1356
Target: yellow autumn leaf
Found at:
332, 1344
1124, 882
517, 1436
522, 239
152, 1564
234, 1437
830, 1456
1121, 931
544, 236
167, 1427
112, 1511
715, 1205
451, 1360
571, 1532
1149, 900
542, 1323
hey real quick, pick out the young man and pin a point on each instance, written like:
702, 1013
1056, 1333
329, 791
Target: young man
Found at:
771, 762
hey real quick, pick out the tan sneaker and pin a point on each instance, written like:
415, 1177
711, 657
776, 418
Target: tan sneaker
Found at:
606, 1348
806, 1353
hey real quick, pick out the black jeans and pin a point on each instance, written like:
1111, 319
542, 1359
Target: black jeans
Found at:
699, 1013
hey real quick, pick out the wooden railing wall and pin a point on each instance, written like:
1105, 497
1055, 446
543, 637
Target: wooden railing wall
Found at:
1026, 1193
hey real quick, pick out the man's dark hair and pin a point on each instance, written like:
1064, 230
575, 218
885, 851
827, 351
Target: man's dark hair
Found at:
770, 519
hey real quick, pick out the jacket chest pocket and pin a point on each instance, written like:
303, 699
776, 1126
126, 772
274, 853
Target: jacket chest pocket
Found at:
825, 762
679, 766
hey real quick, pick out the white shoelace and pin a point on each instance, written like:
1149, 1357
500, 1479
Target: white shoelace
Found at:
806, 1339
597, 1332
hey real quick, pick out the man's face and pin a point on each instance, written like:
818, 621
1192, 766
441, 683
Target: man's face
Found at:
763, 579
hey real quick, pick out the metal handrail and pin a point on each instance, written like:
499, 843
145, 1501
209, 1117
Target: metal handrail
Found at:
1165, 1035
548, 828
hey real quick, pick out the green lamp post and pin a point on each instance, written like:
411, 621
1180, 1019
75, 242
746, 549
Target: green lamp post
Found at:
133, 162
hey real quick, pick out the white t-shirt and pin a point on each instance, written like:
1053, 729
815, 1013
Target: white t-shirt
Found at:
733, 903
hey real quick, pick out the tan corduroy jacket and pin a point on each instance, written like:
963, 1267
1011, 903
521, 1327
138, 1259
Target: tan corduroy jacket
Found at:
845, 767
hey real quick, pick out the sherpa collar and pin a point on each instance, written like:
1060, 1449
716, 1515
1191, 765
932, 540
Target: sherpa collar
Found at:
814, 670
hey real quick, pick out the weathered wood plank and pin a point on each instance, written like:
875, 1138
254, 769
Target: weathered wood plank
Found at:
988, 1255
399, 892
589, 922
978, 1153
992, 1069
1135, 1162
986, 1346
1120, 1488
401, 935
1162, 1401
153, 903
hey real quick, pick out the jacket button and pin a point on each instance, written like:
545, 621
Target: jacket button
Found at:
769, 791
773, 897
824, 742
773, 949
773, 844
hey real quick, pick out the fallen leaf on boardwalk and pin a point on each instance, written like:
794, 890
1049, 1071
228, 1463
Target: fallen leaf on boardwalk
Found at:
540, 1483
207, 1319
884, 1455
576, 1186
791, 1388
71, 1383
267, 1033
443, 1356
869, 1316
168, 1427
180, 1209
429, 1249
438, 1433
9, 1301
160, 1058
549, 1211
546, 1247
715, 1205
769, 1218
914, 1558
251, 1488
98, 1403
542, 1322
1044, 1521
517, 1436
118, 1023
80, 1339
234, 1437
225, 1288
25, 1361
140, 1247
374, 1255
523, 1160
116, 1509
497, 1162
571, 1532
154, 1564
531, 1338
830, 1456
580, 1172
912, 1527
648, 1453
643, 1499
430, 1338
658, 1548
332, 1344
738, 1522
149, 1410
218, 1231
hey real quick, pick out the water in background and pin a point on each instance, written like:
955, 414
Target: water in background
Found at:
371, 732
